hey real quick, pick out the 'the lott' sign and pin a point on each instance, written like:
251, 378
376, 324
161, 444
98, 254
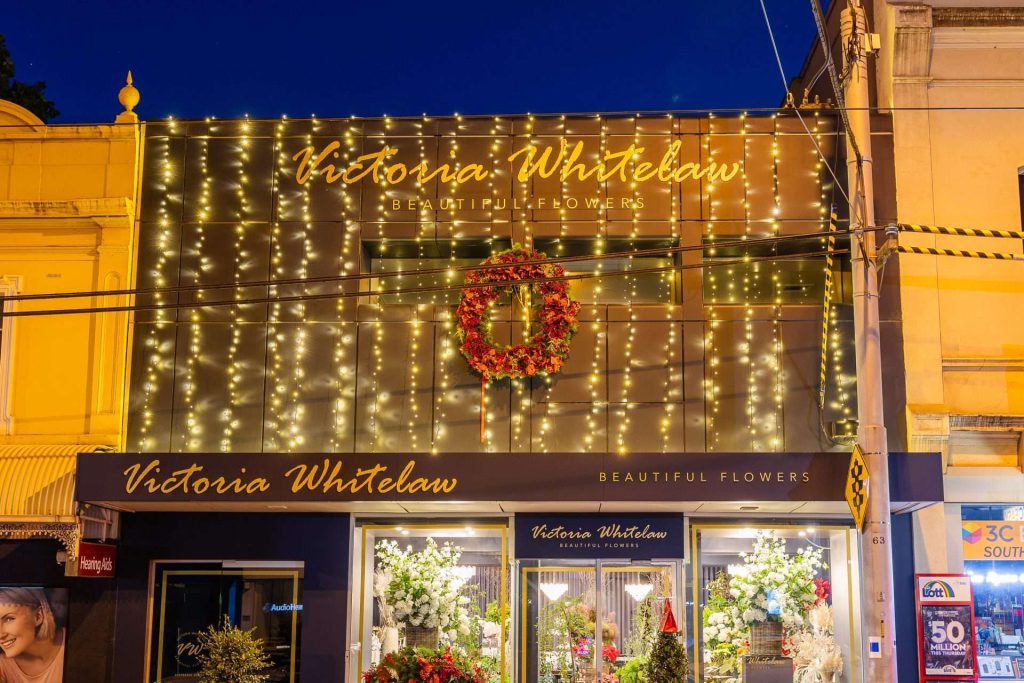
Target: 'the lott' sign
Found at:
616, 536
349, 477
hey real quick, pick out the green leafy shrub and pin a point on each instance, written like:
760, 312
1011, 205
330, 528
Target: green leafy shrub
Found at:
231, 655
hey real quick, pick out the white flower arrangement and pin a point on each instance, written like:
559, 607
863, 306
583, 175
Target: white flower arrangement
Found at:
423, 587
816, 654
769, 584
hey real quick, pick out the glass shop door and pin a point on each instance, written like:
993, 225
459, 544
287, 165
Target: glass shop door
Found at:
584, 619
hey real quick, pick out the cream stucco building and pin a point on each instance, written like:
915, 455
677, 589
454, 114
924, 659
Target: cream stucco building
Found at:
67, 198
948, 134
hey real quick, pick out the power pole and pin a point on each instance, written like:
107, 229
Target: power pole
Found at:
878, 615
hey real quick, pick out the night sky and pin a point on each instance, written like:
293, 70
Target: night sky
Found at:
226, 58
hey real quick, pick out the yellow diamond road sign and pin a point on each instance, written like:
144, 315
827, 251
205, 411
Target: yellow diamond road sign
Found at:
857, 487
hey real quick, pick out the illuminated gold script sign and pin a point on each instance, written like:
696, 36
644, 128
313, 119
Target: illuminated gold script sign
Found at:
188, 478
321, 477
560, 160
614, 531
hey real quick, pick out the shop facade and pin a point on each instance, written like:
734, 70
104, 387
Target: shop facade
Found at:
304, 422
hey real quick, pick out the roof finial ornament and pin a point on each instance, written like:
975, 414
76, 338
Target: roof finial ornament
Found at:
129, 95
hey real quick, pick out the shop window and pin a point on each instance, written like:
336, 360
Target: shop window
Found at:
8, 288
191, 597
993, 547
398, 264
759, 586
437, 585
1020, 191
594, 591
770, 282
589, 620
640, 288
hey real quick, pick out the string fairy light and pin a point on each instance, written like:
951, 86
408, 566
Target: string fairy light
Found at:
235, 365
711, 322
193, 421
671, 376
154, 349
343, 376
598, 326
289, 342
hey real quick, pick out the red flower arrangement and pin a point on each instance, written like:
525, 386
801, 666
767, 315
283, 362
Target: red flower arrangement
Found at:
609, 653
822, 590
548, 349
410, 665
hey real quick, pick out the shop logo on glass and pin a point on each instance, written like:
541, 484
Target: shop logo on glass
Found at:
937, 589
187, 651
971, 534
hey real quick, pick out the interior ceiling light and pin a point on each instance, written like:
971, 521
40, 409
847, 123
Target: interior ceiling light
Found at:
638, 591
553, 591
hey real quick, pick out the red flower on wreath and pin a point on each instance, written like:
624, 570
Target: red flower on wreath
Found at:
548, 349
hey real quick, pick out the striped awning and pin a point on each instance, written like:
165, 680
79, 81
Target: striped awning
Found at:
39, 480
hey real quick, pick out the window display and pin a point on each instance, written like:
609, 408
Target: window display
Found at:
777, 596
591, 620
440, 587
993, 546
191, 597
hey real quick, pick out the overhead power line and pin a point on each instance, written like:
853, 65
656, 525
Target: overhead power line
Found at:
356, 277
410, 290
785, 87
650, 113
837, 88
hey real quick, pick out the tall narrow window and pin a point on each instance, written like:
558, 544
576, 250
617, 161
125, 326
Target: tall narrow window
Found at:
8, 288
1020, 190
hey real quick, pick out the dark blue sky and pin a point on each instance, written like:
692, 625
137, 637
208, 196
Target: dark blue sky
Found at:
225, 58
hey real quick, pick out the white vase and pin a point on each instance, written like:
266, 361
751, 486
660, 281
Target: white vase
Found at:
389, 643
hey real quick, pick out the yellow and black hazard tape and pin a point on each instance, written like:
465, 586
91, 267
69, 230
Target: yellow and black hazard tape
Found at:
963, 253
827, 307
963, 232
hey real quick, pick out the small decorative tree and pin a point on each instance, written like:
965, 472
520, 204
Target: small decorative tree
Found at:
231, 655
668, 662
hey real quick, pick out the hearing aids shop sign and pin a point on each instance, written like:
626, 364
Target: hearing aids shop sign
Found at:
96, 560
177, 478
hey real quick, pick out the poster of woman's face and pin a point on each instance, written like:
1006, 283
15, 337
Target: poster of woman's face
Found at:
32, 634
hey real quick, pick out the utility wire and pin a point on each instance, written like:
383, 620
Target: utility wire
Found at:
785, 87
819, 22
327, 279
552, 115
410, 290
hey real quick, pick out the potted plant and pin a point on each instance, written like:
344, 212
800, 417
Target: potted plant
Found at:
564, 635
231, 655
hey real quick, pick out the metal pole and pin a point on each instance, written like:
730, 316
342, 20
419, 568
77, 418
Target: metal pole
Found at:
877, 613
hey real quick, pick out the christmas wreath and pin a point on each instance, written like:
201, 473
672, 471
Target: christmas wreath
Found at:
548, 348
